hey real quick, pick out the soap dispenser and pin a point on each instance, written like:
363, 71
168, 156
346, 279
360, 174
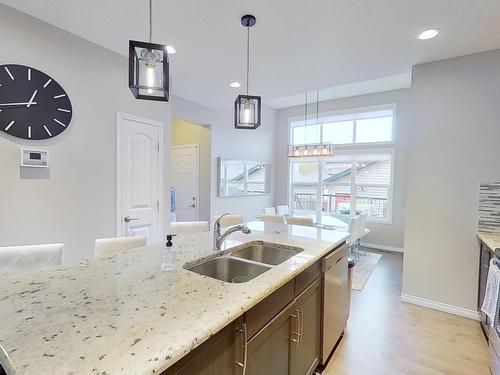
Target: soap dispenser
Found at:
168, 255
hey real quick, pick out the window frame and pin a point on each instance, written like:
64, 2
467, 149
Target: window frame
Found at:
347, 112
387, 147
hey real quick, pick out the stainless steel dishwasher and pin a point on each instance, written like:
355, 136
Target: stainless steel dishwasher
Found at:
335, 300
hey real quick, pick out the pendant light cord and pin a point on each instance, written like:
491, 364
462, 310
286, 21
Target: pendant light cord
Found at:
317, 107
248, 54
305, 122
150, 20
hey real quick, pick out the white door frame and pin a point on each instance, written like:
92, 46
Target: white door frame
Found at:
119, 215
197, 146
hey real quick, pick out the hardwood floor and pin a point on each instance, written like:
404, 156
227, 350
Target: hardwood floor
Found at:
387, 336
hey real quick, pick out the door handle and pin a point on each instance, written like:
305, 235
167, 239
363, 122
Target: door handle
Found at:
128, 219
193, 205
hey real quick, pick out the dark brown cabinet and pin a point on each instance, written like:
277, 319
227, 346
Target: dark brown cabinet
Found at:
304, 354
219, 355
290, 342
281, 335
269, 349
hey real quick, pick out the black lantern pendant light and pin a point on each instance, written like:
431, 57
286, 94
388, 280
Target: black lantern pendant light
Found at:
247, 108
148, 67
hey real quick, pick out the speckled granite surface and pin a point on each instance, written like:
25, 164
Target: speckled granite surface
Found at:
123, 315
492, 240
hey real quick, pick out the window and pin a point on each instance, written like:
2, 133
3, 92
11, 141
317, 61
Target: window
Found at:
300, 136
357, 179
374, 126
340, 132
374, 130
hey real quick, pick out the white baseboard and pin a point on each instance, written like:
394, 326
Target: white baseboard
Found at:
455, 310
383, 247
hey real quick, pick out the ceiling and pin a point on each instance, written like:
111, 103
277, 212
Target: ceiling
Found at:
296, 45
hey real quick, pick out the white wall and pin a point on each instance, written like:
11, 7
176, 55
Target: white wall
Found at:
76, 204
231, 143
454, 144
386, 235
184, 133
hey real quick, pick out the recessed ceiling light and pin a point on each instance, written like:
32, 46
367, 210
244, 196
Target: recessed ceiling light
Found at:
170, 50
235, 84
429, 34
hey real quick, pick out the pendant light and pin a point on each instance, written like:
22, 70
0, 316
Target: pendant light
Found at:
310, 149
148, 67
247, 108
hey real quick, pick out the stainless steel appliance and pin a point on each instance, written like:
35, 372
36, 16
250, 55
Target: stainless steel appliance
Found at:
336, 300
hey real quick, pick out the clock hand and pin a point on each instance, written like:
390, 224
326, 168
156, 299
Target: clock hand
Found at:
31, 99
14, 104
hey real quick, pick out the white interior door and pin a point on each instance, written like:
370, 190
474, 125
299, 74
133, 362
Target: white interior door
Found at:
139, 182
185, 180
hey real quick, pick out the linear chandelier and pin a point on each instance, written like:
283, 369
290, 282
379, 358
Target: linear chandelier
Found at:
310, 149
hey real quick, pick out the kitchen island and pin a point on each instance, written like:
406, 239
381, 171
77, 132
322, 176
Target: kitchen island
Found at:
123, 315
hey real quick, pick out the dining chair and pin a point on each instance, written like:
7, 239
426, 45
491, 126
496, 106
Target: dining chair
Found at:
27, 258
361, 229
282, 210
354, 236
105, 247
304, 221
269, 211
229, 220
188, 227
273, 218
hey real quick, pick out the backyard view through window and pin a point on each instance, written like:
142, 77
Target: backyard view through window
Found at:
357, 179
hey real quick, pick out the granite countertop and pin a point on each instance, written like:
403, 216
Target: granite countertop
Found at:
492, 240
123, 315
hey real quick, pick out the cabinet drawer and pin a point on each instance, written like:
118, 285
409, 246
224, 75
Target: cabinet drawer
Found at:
259, 315
215, 356
307, 277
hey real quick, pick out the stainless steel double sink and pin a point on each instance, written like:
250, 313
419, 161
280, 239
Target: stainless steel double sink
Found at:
243, 263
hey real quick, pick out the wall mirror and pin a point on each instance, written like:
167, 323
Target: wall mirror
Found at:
239, 178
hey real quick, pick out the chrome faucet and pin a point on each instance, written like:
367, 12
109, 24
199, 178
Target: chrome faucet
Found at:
219, 238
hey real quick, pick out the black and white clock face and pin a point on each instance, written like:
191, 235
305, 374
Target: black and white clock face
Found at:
32, 104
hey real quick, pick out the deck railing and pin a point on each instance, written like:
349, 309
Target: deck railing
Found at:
340, 203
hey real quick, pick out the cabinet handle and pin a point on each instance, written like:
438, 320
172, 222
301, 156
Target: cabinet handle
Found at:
243, 329
297, 332
301, 323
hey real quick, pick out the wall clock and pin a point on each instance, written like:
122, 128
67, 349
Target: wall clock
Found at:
32, 104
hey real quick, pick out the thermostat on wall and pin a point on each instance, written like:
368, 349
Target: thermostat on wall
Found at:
34, 158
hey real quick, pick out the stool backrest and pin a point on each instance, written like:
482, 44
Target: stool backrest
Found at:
304, 221
273, 218
188, 227
105, 247
229, 220
28, 258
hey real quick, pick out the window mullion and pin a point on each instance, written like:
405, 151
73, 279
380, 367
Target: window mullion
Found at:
245, 180
291, 198
319, 205
353, 189
354, 124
